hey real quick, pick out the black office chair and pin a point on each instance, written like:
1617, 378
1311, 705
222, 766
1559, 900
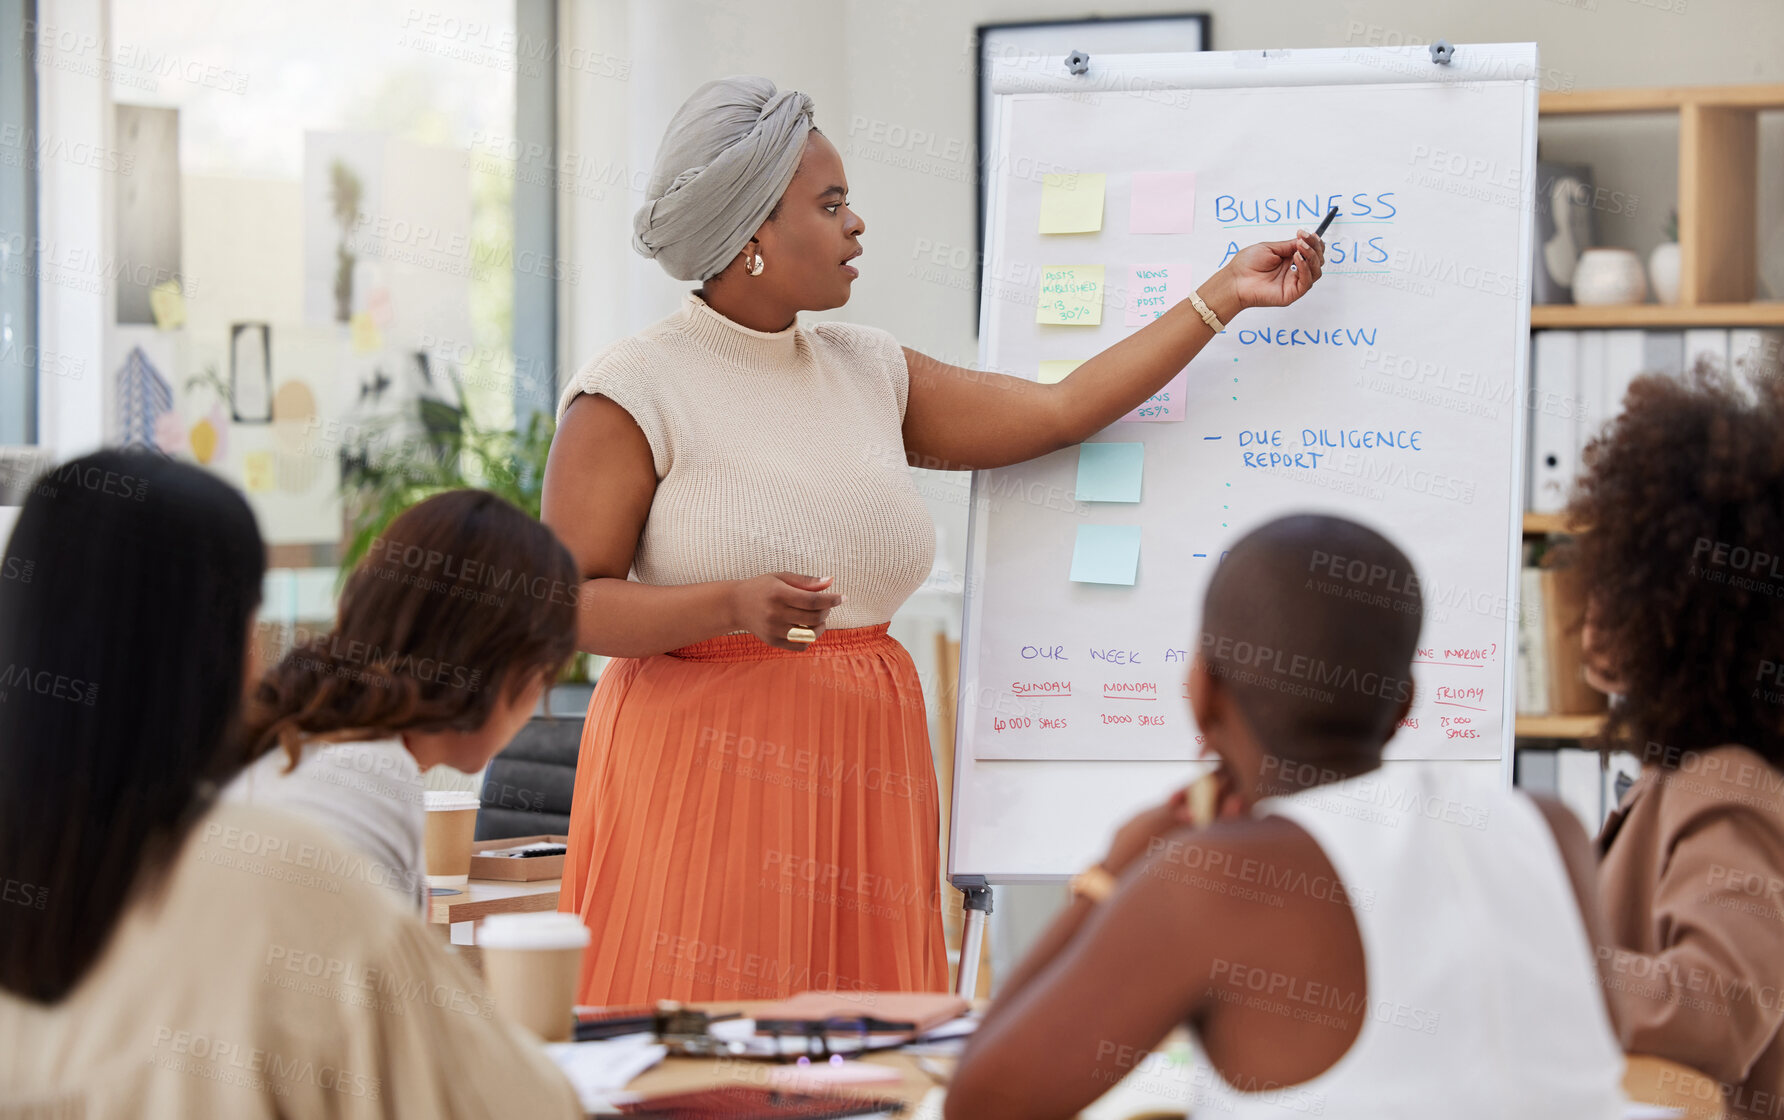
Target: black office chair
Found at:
527, 788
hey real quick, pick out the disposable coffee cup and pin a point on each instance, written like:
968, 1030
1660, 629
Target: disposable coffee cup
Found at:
530, 965
451, 831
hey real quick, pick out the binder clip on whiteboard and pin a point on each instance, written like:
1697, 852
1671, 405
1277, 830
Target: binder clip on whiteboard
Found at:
1078, 62
1442, 51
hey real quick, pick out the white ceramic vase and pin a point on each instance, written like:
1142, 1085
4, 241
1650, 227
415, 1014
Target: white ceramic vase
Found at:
1663, 272
1609, 276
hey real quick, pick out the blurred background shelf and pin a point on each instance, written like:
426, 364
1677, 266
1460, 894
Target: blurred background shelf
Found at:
1559, 727
1718, 203
1539, 523
1662, 99
1763, 313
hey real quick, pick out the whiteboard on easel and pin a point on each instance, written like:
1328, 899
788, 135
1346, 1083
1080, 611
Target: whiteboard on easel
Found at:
1393, 393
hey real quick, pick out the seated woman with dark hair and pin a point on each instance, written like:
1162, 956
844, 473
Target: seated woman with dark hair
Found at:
448, 631
1683, 507
160, 954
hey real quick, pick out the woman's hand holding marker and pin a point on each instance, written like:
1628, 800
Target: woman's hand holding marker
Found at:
772, 605
1276, 273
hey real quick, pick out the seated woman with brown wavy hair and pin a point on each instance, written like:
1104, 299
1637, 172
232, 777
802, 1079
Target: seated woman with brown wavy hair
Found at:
1683, 507
460, 615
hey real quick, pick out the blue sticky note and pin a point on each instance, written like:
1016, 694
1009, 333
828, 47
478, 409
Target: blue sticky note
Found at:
1106, 554
1110, 472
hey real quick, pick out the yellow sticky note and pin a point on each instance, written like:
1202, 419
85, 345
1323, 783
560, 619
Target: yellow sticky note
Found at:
203, 439
1053, 370
168, 305
366, 338
257, 471
1071, 294
1072, 203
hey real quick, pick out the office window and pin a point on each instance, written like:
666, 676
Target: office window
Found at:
315, 255
19, 152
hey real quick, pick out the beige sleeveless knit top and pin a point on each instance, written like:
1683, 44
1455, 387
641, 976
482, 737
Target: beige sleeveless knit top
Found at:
774, 451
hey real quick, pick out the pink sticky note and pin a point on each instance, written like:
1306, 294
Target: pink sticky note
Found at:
1167, 403
1162, 202
1153, 289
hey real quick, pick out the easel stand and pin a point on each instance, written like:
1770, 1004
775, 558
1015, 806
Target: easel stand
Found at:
974, 906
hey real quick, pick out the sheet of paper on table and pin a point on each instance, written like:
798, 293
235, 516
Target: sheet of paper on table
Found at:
601, 1070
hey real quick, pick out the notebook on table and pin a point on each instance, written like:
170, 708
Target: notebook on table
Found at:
912, 1012
738, 1102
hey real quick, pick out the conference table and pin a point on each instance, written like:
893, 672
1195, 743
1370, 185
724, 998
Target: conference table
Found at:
481, 898
1648, 1080
455, 916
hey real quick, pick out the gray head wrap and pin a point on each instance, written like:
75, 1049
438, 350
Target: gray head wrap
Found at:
726, 159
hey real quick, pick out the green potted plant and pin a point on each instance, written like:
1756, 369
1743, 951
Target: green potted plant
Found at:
458, 452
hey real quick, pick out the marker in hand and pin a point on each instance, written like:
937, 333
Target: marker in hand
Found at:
1331, 216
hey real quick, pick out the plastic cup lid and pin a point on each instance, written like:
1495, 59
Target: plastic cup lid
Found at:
452, 799
542, 930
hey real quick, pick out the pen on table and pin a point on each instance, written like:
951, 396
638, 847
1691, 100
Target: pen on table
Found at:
1331, 215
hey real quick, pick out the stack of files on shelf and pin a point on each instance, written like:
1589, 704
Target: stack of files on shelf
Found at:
1755, 352
1551, 675
1551, 681
1589, 784
1533, 661
1578, 380
1579, 785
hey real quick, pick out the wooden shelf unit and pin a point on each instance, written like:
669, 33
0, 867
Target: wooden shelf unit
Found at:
1718, 249
1765, 313
1541, 524
1553, 727
1718, 205
1558, 727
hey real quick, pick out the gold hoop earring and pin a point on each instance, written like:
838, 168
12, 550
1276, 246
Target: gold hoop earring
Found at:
756, 266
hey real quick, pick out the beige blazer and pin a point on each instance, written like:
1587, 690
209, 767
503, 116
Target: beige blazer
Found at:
271, 979
1692, 878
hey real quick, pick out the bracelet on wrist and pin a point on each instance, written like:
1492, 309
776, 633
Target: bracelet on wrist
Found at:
1207, 314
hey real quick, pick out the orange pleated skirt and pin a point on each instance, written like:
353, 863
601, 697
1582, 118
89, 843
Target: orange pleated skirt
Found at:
752, 822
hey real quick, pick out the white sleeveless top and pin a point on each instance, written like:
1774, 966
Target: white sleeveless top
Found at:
774, 451
1483, 999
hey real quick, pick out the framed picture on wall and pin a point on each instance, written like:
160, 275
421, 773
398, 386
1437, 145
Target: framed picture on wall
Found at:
1044, 44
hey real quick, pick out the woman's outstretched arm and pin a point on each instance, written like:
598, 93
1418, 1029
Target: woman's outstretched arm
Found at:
965, 419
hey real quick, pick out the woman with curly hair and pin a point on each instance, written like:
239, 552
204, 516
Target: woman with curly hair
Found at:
1682, 511
459, 616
